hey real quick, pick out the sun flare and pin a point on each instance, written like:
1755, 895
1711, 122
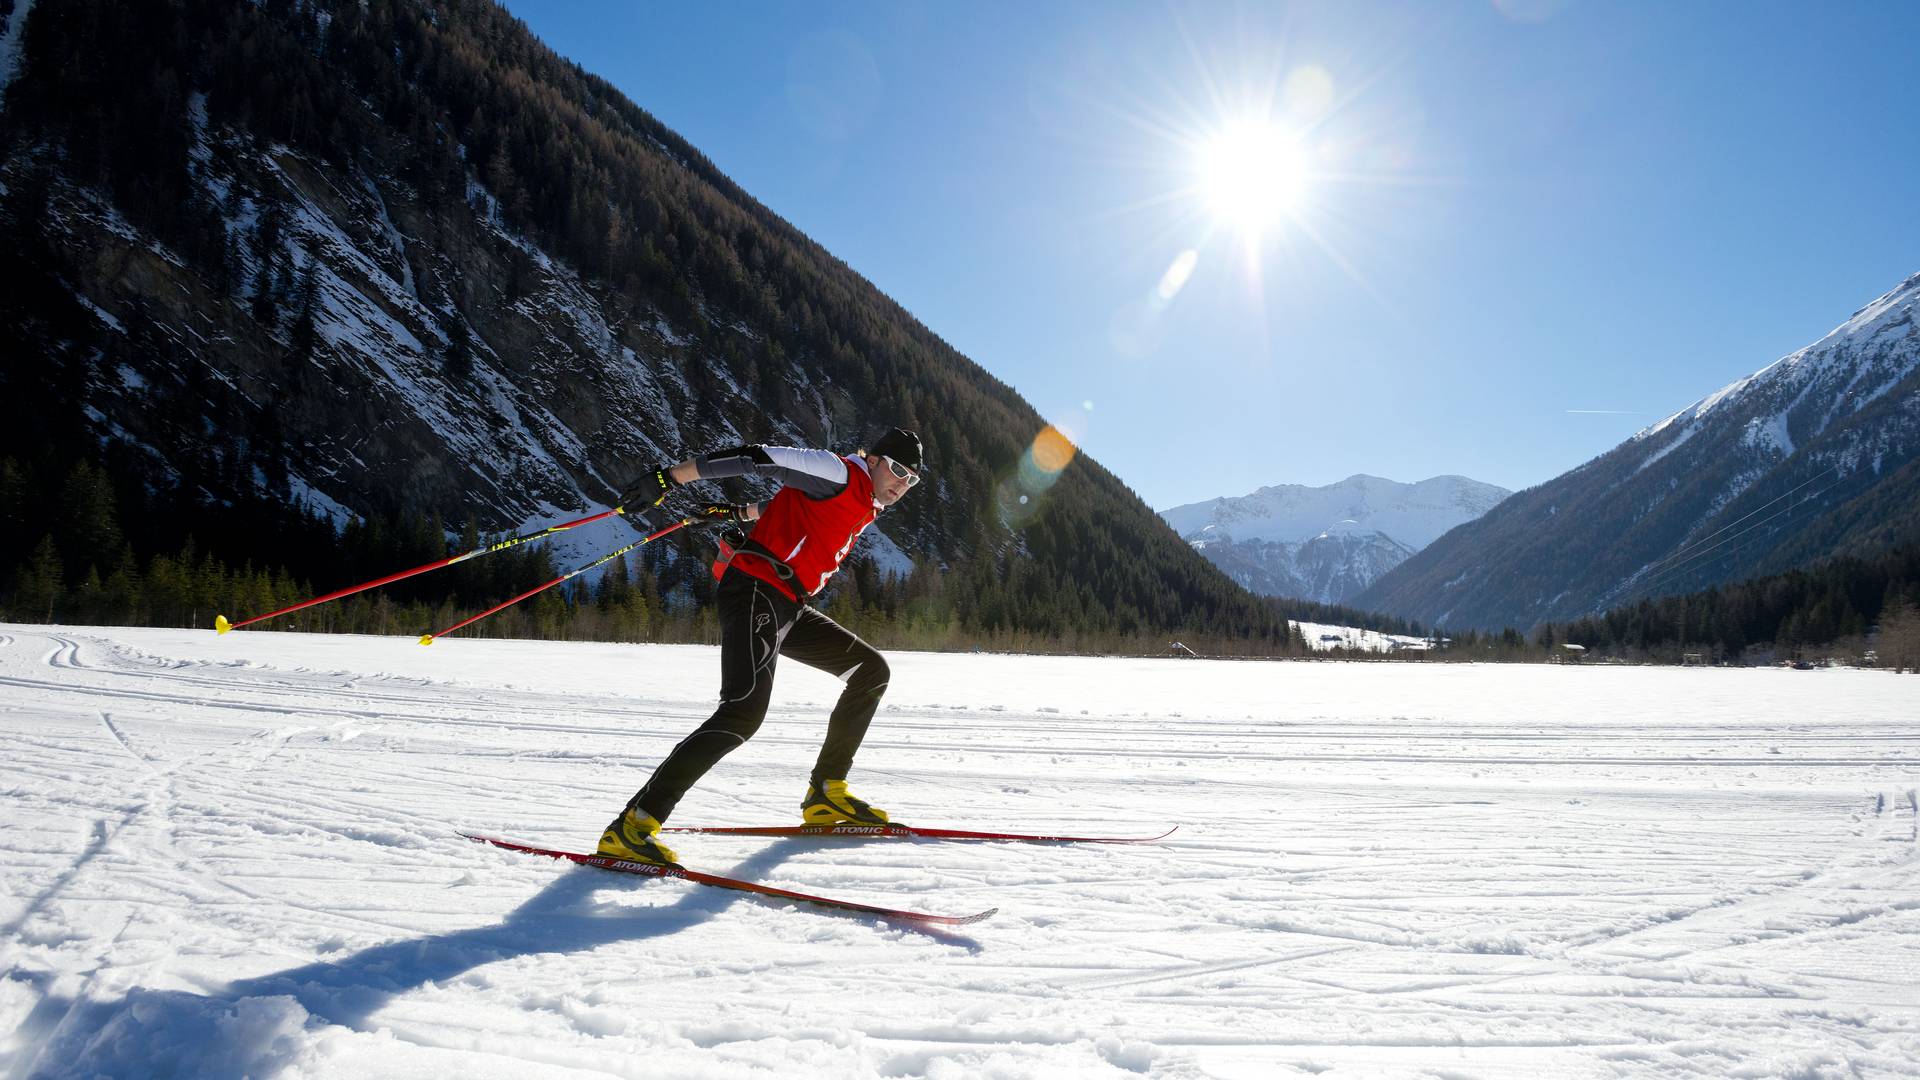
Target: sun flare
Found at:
1252, 174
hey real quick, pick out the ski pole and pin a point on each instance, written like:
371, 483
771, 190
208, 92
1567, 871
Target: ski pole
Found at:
427, 639
221, 625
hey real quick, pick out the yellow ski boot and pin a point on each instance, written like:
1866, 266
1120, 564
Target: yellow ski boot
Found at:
835, 806
634, 836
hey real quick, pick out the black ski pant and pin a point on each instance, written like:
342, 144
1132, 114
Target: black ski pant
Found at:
758, 625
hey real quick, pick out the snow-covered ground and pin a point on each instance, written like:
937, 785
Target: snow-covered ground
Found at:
1325, 637
234, 856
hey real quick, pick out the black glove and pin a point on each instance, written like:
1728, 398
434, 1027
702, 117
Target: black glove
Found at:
650, 490
718, 512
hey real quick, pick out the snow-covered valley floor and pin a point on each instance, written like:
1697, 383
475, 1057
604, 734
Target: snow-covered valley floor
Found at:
235, 856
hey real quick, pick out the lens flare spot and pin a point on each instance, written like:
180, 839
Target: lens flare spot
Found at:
1052, 450
1177, 274
1308, 93
1022, 496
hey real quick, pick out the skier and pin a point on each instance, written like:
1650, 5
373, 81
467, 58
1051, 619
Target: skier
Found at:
798, 539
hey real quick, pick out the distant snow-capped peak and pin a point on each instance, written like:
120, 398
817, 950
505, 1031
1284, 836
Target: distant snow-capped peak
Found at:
1413, 514
1327, 543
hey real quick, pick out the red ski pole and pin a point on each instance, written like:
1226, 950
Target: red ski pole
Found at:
221, 625
427, 639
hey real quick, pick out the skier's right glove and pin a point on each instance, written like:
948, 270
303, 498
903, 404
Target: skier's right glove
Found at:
650, 490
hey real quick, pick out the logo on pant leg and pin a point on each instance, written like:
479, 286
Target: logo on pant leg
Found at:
760, 621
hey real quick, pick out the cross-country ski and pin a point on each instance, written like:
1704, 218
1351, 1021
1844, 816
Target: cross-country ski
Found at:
681, 873
906, 832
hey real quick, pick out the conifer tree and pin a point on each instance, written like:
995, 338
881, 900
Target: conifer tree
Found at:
89, 532
1899, 642
40, 584
304, 335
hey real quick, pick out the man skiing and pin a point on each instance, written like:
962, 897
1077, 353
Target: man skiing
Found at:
798, 540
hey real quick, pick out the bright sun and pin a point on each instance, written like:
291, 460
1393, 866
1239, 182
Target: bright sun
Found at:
1252, 174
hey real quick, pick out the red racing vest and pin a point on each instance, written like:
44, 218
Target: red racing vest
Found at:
810, 535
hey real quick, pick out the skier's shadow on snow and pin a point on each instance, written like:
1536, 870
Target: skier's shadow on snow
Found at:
561, 918
248, 1029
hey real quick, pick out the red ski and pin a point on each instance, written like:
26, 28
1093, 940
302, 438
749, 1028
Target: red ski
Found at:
909, 832
737, 885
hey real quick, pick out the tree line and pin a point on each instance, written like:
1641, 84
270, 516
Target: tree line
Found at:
89, 566
1859, 610
77, 548
1842, 609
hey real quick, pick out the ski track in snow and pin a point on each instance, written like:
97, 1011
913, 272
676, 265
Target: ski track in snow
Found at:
234, 856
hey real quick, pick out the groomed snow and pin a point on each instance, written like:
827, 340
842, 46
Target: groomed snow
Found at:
233, 856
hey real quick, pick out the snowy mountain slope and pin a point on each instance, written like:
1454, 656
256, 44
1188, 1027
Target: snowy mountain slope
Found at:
1326, 637
402, 261
1328, 568
234, 856
1327, 543
1808, 457
558, 400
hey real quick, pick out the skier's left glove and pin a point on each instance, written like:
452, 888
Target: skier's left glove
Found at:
724, 512
650, 490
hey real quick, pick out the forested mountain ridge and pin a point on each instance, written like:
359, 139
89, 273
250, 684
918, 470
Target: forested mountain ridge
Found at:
399, 258
1814, 456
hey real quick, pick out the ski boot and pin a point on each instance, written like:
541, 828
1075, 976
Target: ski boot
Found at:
834, 806
633, 836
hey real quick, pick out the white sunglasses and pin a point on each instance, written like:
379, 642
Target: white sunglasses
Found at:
901, 471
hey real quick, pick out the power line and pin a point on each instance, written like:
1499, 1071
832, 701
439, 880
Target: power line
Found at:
1683, 551
1674, 572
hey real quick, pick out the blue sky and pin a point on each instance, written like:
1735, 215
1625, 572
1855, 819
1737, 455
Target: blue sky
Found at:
1522, 230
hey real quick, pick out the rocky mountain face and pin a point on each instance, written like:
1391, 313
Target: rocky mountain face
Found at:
397, 257
1327, 544
1815, 455
1330, 568
357, 338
